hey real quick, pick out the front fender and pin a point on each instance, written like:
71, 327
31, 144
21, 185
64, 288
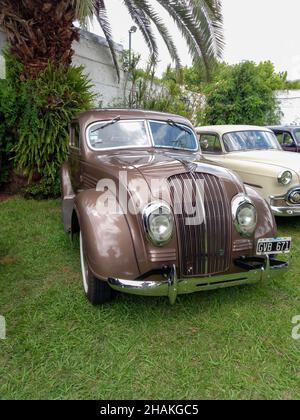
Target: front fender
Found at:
266, 224
107, 239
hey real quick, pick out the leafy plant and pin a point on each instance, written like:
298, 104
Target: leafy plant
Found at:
39, 112
144, 90
6, 135
46, 188
242, 94
34, 122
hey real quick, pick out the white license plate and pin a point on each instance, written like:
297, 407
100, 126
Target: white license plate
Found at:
273, 246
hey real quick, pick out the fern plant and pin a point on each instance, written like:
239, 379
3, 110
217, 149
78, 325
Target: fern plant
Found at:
40, 112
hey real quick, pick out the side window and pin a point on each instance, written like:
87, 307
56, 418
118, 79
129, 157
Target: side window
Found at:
210, 143
280, 136
75, 136
284, 138
288, 139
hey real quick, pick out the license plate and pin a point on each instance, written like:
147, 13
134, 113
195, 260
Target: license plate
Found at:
274, 246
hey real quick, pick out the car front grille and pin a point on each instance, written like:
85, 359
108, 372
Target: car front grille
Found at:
205, 247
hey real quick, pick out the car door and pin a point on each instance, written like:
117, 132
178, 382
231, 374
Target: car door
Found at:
286, 141
211, 146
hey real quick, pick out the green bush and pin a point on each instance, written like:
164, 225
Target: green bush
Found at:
6, 136
242, 94
46, 188
39, 112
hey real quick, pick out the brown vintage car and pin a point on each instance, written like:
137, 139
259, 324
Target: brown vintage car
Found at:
154, 217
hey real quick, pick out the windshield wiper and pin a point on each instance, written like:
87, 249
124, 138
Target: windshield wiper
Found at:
115, 120
174, 124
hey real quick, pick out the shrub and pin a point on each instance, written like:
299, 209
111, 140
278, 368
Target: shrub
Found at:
47, 187
242, 94
38, 112
6, 136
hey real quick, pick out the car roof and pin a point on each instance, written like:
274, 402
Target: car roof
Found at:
223, 129
107, 114
284, 127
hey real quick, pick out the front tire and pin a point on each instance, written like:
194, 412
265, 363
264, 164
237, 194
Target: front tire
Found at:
98, 292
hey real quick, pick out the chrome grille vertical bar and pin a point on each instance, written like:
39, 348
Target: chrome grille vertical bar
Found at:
205, 248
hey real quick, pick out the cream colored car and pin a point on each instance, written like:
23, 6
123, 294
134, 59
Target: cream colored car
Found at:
255, 154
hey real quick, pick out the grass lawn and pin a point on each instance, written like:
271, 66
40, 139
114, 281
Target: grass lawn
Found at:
233, 343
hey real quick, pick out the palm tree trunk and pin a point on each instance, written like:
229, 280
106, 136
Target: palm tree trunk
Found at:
39, 31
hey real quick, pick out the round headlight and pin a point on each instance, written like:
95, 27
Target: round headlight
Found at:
158, 223
245, 216
294, 197
285, 178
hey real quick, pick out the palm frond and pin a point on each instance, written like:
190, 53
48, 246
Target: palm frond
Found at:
101, 15
161, 27
84, 9
182, 13
209, 15
142, 21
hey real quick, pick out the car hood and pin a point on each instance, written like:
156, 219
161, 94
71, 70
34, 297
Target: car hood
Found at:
162, 164
276, 158
158, 165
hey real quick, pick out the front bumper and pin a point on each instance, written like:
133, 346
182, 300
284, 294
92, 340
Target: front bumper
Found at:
287, 211
171, 286
284, 206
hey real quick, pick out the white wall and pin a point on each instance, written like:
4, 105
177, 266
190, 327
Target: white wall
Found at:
92, 52
290, 106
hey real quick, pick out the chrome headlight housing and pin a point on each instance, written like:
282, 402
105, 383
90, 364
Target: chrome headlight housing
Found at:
158, 222
285, 177
244, 215
294, 196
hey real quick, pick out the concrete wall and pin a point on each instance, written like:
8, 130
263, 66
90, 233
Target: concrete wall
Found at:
92, 52
290, 106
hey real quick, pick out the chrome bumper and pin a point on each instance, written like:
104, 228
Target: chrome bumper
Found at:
287, 211
172, 286
284, 206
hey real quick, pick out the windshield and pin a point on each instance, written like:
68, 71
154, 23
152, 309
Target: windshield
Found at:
173, 136
116, 134
297, 135
250, 140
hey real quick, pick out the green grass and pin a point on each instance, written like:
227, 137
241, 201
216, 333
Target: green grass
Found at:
231, 343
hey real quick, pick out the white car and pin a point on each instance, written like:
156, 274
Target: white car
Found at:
256, 156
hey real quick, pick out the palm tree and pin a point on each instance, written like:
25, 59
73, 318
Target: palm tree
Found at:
43, 30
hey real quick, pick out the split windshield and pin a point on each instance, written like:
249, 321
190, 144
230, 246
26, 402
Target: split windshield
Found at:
116, 134
250, 140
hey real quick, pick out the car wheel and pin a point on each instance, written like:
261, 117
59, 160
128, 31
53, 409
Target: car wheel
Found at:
97, 291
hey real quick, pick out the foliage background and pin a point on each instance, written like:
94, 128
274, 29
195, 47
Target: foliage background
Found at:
243, 94
37, 115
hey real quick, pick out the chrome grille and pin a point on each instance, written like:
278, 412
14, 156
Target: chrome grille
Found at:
205, 247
